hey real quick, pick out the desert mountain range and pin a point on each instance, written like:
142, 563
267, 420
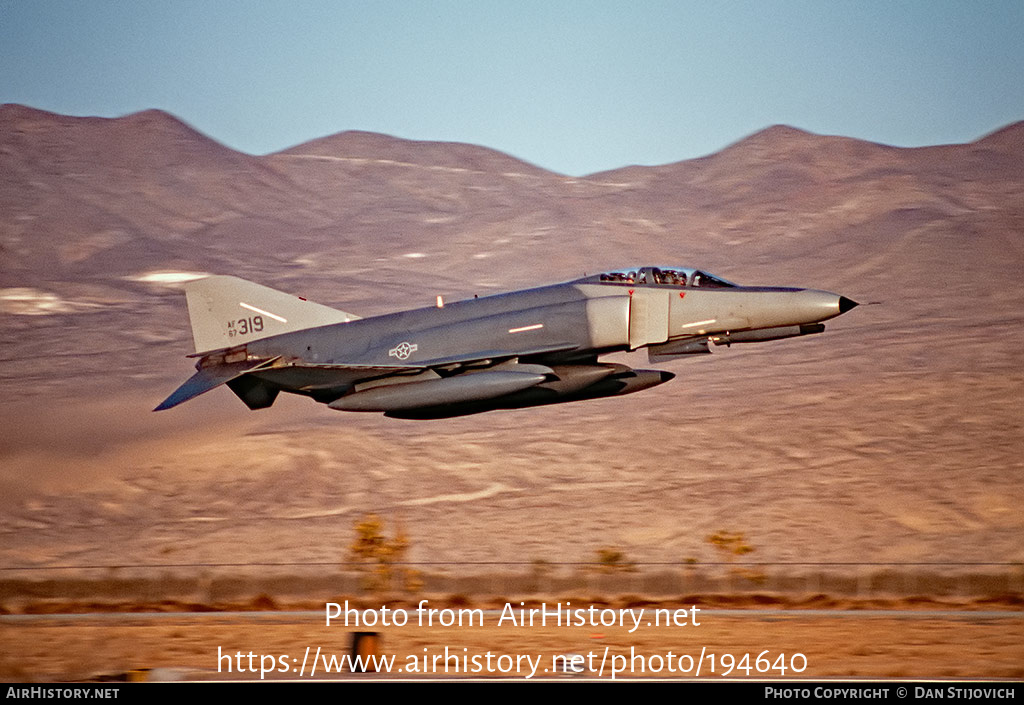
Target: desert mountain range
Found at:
895, 436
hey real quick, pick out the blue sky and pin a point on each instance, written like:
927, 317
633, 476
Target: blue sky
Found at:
575, 87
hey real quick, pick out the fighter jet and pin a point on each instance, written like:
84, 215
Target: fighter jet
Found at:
519, 349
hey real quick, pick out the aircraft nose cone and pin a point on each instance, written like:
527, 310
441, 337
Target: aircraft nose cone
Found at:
815, 306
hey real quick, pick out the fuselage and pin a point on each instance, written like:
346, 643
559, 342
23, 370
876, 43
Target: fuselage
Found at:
522, 348
590, 317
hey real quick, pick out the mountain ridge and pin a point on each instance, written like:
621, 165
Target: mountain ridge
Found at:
894, 435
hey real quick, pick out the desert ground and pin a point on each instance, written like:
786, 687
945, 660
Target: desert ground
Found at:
891, 442
813, 645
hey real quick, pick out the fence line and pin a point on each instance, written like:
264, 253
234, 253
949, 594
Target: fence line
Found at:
580, 580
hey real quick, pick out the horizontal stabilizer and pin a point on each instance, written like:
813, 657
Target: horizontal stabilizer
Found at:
209, 378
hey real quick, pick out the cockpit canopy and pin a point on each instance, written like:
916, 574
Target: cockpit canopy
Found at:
662, 276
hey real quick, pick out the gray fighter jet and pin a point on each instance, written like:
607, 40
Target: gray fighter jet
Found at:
508, 351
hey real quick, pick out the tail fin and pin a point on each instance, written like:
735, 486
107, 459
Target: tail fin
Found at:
227, 311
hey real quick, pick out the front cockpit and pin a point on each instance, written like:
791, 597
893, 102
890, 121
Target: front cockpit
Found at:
661, 276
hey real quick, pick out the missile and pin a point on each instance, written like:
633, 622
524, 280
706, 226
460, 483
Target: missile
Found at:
757, 336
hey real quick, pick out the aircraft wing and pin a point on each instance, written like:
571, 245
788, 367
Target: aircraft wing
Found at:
312, 375
329, 375
491, 356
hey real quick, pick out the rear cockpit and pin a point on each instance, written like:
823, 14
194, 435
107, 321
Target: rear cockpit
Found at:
661, 276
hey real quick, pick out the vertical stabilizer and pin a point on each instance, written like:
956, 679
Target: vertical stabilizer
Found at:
226, 311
